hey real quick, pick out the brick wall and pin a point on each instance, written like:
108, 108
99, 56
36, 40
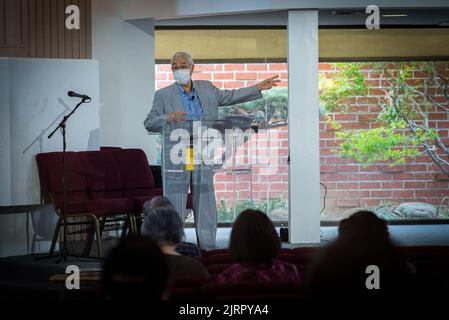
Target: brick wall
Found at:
349, 184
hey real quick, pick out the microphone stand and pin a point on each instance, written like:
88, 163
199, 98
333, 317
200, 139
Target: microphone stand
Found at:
62, 126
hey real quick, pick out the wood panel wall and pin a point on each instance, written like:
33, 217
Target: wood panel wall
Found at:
36, 29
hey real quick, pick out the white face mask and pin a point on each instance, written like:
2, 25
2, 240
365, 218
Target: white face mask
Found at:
182, 76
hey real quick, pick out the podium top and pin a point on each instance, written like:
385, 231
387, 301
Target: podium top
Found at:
222, 122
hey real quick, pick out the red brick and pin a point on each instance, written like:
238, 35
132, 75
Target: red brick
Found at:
415, 185
347, 168
438, 185
369, 185
328, 169
367, 117
403, 193
438, 116
326, 66
443, 124
160, 76
201, 76
218, 84
423, 176
163, 68
223, 75
431, 193
205, 67
245, 76
278, 67
369, 202
402, 176
337, 194
359, 194
266, 75
379, 177
371, 168
335, 177
380, 194
234, 67
336, 160
345, 117
348, 203
327, 135
392, 185
232, 85
347, 185
393, 169
416, 167
256, 67
376, 92
441, 177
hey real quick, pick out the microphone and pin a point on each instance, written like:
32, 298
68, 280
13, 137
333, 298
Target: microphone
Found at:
77, 95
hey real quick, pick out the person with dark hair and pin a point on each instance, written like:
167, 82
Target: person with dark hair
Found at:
135, 269
363, 247
254, 245
185, 248
165, 226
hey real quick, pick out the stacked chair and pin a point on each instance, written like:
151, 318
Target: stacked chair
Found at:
103, 186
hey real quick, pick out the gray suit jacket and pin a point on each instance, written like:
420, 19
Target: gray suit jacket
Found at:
168, 100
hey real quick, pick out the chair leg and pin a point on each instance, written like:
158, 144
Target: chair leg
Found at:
132, 223
102, 225
55, 236
89, 240
98, 235
33, 243
125, 229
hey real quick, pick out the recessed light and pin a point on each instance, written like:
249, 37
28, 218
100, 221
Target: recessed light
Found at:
394, 15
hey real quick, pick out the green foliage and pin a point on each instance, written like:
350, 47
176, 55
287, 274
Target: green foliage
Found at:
228, 214
405, 104
347, 82
384, 144
272, 108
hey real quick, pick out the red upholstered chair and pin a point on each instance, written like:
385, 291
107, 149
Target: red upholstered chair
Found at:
138, 180
104, 186
94, 190
52, 190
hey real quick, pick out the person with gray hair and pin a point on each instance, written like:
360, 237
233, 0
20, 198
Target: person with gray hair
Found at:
164, 226
195, 98
185, 248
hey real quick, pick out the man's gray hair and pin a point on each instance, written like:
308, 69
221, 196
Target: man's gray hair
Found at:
183, 54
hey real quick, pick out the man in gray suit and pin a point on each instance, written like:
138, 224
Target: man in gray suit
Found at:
197, 98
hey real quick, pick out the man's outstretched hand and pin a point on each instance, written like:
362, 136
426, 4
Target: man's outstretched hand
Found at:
268, 83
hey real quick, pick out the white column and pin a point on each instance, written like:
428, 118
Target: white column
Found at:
303, 121
125, 53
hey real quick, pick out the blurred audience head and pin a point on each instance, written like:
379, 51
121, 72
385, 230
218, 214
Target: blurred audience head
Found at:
254, 238
163, 225
364, 226
157, 202
343, 267
135, 269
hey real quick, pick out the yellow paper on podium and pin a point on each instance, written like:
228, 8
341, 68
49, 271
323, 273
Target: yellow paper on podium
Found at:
189, 159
